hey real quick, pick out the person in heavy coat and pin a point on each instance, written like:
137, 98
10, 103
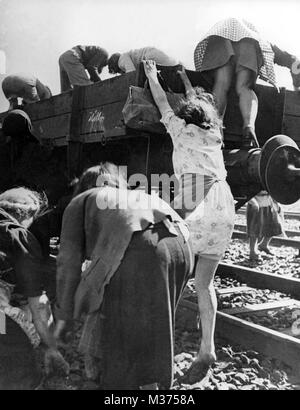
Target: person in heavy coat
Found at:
136, 262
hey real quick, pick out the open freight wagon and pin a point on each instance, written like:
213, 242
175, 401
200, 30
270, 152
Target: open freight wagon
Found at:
79, 128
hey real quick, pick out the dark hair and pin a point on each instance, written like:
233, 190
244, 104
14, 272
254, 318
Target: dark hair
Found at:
106, 173
104, 59
200, 110
113, 63
17, 123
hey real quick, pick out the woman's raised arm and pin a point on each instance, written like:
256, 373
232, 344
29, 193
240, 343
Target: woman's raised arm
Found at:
189, 90
157, 91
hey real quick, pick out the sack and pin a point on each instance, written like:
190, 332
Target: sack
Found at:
140, 111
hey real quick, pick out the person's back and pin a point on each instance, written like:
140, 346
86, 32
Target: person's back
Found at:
110, 217
137, 55
138, 258
130, 60
25, 86
17, 81
74, 62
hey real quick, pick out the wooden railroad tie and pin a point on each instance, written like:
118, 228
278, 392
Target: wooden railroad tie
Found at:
275, 241
282, 345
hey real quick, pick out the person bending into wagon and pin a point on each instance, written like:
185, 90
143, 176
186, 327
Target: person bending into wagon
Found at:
204, 198
126, 62
24, 86
81, 65
233, 50
137, 261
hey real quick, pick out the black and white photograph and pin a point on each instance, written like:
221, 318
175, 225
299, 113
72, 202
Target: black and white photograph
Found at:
149, 197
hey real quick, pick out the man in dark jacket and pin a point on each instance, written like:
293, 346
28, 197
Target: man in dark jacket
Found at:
76, 62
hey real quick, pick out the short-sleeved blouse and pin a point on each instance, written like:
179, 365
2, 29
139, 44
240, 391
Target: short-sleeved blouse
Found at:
198, 151
195, 150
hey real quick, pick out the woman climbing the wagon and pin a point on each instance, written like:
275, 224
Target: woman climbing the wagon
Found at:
234, 51
204, 198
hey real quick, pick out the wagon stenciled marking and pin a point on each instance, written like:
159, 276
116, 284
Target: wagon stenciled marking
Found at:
96, 121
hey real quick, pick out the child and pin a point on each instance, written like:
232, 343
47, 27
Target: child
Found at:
199, 167
264, 220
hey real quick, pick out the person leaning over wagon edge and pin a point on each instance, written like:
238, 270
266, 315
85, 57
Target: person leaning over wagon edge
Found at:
24, 86
22, 302
129, 61
139, 262
75, 63
233, 49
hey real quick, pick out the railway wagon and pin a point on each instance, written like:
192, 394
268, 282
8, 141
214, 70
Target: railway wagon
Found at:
79, 128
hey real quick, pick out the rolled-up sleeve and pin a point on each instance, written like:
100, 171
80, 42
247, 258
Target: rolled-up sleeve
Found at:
174, 125
70, 258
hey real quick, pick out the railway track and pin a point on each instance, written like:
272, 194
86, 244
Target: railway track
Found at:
289, 233
287, 214
275, 241
232, 325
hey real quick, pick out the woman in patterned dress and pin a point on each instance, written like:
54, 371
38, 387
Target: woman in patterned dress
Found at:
204, 198
233, 50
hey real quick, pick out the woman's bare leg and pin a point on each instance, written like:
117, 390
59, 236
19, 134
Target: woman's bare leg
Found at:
248, 102
222, 83
207, 301
253, 254
264, 245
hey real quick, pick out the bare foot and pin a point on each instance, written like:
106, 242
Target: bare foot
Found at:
200, 367
255, 257
266, 250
